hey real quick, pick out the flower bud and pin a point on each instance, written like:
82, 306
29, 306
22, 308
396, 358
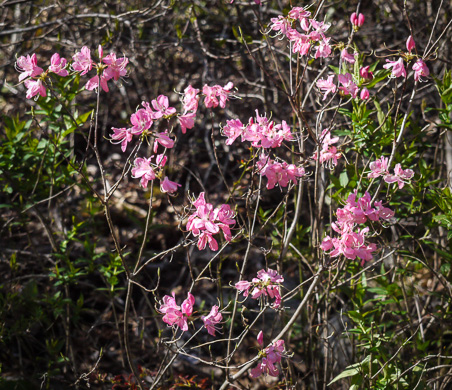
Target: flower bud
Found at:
410, 43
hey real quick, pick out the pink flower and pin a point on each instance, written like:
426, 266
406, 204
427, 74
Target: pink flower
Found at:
327, 86
280, 24
397, 67
364, 94
93, 83
28, 66
141, 121
142, 168
401, 177
233, 129
212, 319
328, 151
357, 20
348, 86
35, 87
212, 93
161, 107
346, 56
190, 99
177, 315
271, 355
378, 168
164, 140
122, 136
365, 74
420, 69
57, 65
410, 44
299, 13
205, 222
168, 186
267, 283
116, 67
82, 61
187, 121
324, 49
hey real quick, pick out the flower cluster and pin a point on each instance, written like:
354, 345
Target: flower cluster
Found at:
398, 68
347, 85
357, 20
260, 131
380, 168
267, 283
269, 357
205, 222
175, 315
328, 151
313, 36
108, 68
145, 169
352, 243
278, 173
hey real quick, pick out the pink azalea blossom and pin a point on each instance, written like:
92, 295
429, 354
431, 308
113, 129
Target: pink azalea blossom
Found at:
352, 242
164, 140
213, 93
328, 152
278, 173
280, 24
116, 67
327, 86
175, 315
58, 65
267, 283
206, 221
401, 177
324, 49
346, 56
212, 319
190, 99
187, 121
122, 136
142, 168
378, 168
168, 186
420, 69
161, 107
35, 87
348, 86
410, 44
28, 66
271, 355
82, 61
397, 67
141, 121
93, 83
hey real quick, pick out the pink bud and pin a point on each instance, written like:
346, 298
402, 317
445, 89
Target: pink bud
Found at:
100, 51
365, 74
410, 43
361, 19
357, 20
364, 95
260, 338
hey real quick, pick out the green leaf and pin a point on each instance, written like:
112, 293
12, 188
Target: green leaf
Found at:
352, 370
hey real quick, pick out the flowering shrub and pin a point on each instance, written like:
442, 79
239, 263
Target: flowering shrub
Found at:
330, 205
